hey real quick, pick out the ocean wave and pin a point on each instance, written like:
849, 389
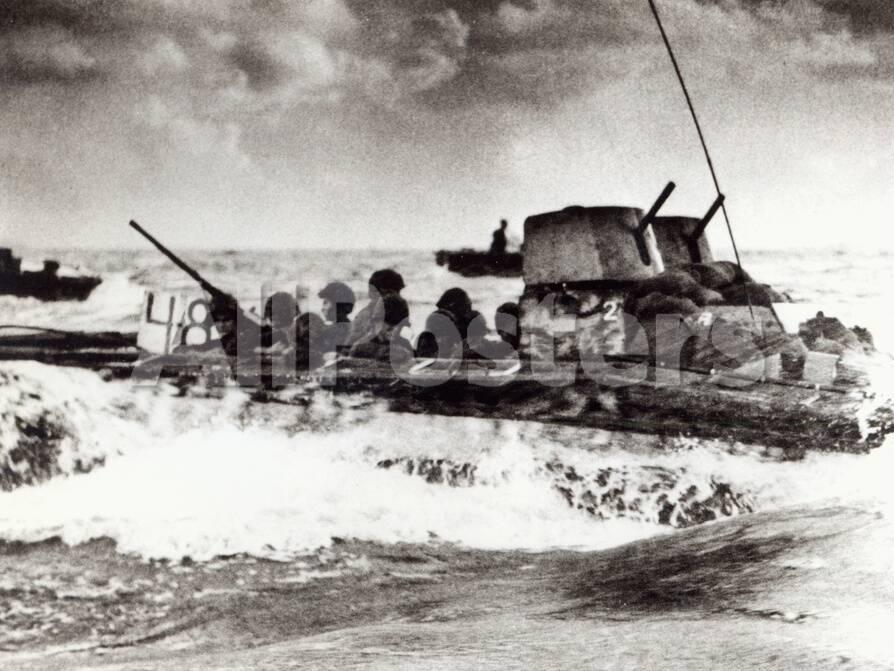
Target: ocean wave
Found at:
653, 494
203, 477
114, 304
55, 422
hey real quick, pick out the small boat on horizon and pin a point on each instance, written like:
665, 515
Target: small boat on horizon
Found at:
496, 261
45, 284
472, 263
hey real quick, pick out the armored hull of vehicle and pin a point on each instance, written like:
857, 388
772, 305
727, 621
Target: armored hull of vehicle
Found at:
621, 395
607, 341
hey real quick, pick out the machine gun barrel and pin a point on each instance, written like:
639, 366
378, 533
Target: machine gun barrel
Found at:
177, 261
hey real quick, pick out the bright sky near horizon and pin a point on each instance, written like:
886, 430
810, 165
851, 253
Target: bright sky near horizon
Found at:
420, 123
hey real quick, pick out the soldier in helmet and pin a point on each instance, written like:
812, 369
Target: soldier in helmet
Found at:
338, 303
387, 344
454, 330
280, 312
368, 322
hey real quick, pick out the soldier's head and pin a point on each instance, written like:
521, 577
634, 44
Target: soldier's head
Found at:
385, 282
280, 310
338, 301
503, 224
456, 301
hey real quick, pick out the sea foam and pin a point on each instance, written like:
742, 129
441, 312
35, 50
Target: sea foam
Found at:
202, 477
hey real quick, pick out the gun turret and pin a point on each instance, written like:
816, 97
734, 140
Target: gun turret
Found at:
224, 307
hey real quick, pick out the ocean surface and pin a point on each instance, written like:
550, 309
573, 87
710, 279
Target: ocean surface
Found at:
202, 478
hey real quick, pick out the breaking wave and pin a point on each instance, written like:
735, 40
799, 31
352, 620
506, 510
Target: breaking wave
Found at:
113, 305
56, 422
201, 477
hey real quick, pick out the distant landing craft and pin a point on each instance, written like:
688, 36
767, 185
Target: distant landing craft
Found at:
46, 284
470, 263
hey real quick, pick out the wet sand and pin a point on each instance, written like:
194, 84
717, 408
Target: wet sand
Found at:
788, 589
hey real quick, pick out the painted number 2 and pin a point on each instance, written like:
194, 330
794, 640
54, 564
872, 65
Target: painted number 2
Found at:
611, 311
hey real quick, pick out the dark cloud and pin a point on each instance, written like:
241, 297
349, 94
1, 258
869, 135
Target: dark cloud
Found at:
866, 16
457, 53
44, 41
441, 53
832, 39
430, 51
112, 19
499, 26
80, 17
45, 54
542, 52
863, 16
262, 69
71, 41
877, 65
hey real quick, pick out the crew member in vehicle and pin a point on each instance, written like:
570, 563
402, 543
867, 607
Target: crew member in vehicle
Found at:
367, 323
498, 246
387, 344
338, 303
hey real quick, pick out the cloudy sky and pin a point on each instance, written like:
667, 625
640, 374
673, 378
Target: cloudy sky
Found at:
395, 123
